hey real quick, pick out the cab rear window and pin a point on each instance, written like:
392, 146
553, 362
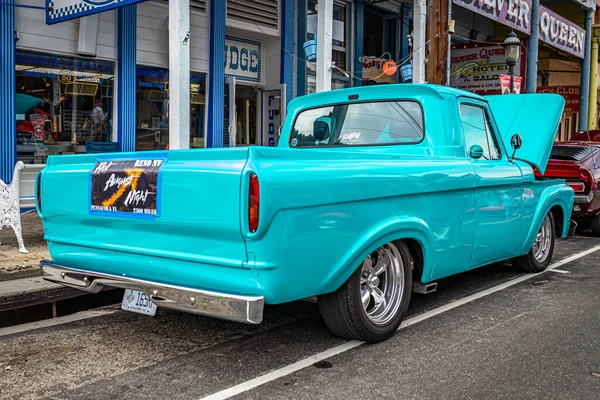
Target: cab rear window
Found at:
572, 153
359, 124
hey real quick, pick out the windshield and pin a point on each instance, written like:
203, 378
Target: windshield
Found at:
381, 122
572, 153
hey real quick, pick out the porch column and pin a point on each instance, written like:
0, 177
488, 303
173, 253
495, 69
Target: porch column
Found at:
126, 77
286, 74
420, 25
179, 74
8, 122
324, 44
216, 75
592, 114
585, 73
532, 49
360, 35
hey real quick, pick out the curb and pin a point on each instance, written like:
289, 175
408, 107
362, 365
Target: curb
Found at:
31, 291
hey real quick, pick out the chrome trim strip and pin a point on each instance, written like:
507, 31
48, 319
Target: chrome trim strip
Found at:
244, 309
585, 199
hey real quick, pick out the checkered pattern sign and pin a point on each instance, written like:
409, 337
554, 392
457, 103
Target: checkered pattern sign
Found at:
63, 10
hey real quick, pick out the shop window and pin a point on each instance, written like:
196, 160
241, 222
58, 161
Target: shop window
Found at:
152, 114
61, 104
339, 41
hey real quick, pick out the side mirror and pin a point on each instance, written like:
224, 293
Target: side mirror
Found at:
515, 142
476, 151
322, 128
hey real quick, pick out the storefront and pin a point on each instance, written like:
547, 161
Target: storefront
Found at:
478, 60
152, 113
70, 74
61, 103
365, 35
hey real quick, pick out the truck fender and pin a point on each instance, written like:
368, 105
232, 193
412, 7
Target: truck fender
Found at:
390, 230
553, 196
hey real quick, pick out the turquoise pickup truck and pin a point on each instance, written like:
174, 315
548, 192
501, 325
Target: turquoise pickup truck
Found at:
371, 194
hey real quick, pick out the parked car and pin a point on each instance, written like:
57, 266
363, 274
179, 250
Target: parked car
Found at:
579, 164
586, 136
372, 193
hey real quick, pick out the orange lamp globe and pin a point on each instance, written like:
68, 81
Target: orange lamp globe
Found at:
389, 68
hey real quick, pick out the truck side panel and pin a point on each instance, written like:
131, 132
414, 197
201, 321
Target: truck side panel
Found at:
323, 211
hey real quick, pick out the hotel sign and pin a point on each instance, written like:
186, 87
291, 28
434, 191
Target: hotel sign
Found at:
513, 13
561, 33
64, 10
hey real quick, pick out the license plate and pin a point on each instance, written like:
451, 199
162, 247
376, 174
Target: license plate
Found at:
138, 302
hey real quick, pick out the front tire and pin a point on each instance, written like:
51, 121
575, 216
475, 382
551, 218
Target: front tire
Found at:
372, 303
540, 255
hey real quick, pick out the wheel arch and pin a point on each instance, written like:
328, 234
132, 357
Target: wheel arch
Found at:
413, 231
557, 200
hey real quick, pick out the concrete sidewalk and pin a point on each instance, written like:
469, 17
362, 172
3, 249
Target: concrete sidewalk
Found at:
25, 292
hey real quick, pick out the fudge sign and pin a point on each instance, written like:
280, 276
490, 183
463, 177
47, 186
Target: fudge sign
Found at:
125, 186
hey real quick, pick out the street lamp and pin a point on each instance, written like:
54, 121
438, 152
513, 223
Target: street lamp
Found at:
512, 50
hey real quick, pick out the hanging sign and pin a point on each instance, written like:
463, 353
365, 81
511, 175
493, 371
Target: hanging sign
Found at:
478, 68
571, 94
242, 59
373, 70
561, 33
513, 13
505, 82
64, 10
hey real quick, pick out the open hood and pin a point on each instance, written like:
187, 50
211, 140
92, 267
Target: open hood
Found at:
536, 117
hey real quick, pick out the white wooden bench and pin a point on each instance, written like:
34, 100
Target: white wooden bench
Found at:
10, 205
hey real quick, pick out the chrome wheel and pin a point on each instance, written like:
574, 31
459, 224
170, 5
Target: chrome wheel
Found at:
543, 240
382, 284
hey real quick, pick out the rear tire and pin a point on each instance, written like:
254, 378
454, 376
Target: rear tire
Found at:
372, 303
540, 255
596, 225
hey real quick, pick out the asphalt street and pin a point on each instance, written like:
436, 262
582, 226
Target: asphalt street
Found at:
492, 333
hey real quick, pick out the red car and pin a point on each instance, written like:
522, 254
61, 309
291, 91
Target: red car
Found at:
578, 162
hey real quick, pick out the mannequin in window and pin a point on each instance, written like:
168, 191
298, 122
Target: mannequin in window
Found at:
98, 121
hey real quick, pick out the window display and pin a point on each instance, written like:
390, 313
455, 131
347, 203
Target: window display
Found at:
60, 104
152, 114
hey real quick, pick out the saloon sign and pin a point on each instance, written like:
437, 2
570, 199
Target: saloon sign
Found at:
561, 33
63, 10
513, 13
478, 68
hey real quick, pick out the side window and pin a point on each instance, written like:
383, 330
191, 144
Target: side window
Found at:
477, 131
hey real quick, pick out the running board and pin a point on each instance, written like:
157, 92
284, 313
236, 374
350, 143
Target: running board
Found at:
426, 288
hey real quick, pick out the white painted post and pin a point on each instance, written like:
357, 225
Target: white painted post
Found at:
324, 38
179, 74
420, 25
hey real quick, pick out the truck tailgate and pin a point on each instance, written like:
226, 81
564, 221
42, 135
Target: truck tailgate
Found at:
144, 207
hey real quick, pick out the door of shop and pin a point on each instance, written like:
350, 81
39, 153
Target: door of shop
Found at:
253, 116
272, 113
240, 114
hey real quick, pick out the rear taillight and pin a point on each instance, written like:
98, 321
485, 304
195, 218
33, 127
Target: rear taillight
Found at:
577, 187
38, 192
253, 203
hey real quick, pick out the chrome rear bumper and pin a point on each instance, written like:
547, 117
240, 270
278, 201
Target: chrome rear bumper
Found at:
245, 309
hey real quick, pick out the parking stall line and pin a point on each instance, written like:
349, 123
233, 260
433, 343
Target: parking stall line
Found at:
306, 362
560, 271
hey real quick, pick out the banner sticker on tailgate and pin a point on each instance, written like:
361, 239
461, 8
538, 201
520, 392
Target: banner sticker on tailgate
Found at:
126, 187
